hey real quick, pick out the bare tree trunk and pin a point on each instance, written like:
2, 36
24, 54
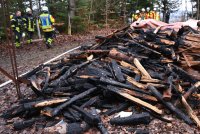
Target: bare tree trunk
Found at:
124, 11
106, 13
31, 4
71, 14
91, 12
72, 6
192, 9
198, 6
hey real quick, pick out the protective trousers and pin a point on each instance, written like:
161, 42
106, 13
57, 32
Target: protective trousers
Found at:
48, 38
30, 36
18, 36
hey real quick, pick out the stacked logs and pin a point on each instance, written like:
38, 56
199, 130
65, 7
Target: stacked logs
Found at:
135, 70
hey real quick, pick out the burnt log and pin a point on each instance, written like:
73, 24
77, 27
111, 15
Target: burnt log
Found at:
25, 124
56, 110
117, 108
43, 103
134, 99
170, 106
115, 83
192, 90
92, 119
117, 71
135, 119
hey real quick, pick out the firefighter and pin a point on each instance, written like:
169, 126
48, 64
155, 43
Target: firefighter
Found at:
152, 14
30, 24
137, 15
157, 15
133, 17
47, 21
17, 27
148, 13
143, 14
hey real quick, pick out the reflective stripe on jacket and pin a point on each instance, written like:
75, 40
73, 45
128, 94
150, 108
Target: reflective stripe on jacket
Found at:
30, 23
46, 21
17, 24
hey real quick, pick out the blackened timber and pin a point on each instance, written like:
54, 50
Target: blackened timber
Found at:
115, 83
43, 103
117, 71
25, 124
71, 71
90, 102
170, 106
192, 90
183, 74
56, 110
92, 119
46, 79
135, 119
134, 99
117, 108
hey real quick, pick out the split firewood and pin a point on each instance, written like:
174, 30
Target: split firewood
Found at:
141, 68
190, 111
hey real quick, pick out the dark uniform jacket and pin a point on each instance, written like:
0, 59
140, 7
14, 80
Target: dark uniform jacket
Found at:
29, 23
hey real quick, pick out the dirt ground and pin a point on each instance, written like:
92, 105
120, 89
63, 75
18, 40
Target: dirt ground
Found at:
8, 99
32, 55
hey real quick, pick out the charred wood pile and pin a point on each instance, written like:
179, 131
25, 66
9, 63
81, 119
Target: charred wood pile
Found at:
143, 73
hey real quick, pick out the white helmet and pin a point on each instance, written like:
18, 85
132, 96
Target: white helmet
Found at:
28, 10
143, 10
44, 8
148, 9
155, 9
137, 11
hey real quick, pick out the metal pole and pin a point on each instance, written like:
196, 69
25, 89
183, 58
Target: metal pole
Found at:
38, 29
11, 49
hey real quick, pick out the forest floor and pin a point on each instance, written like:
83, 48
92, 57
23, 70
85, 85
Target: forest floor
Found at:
32, 55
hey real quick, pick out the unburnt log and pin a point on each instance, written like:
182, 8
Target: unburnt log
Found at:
170, 106
135, 119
